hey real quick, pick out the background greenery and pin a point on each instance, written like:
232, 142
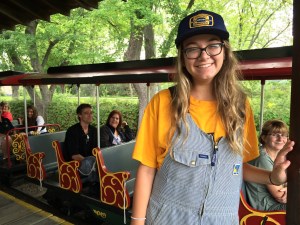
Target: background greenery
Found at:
62, 109
132, 30
277, 100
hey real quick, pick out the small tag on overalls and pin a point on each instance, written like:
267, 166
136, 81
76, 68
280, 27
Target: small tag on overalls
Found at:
236, 169
202, 156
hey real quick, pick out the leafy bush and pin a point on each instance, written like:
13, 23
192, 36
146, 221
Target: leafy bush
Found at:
63, 107
62, 110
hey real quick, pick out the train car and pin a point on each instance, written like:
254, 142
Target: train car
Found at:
271, 67
111, 201
13, 167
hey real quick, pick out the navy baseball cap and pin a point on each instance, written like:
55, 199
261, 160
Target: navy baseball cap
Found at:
201, 22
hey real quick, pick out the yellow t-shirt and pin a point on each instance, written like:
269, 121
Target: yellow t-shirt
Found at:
151, 142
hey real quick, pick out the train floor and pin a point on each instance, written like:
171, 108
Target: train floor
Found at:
23, 204
15, 211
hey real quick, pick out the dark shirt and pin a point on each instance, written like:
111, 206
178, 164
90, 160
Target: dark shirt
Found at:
107, 137
5, 125
77, 142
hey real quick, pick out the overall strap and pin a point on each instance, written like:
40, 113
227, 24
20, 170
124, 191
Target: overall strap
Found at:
172, 91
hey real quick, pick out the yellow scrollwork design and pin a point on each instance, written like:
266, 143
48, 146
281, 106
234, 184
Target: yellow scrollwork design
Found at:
251, 213
18, 146
69, 177
111, 190
243, 221
51, 130
34, 166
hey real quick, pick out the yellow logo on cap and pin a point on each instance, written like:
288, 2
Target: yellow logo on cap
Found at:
201, 20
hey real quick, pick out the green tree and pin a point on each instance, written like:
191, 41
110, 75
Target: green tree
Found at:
132, 30
277, 98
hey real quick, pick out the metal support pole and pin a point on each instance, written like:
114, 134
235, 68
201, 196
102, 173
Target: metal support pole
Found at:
148, 92
25, 111
33, 95
262, 104
78, 96
98, 114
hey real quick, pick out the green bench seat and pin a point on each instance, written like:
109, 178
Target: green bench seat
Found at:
43, 143
117, 172
119, 158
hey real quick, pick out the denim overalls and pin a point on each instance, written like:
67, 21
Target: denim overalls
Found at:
199, 185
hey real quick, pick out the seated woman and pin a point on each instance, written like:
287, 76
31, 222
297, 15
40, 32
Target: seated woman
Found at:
115, 131
5, 126
33, 119
6, 111
273, 137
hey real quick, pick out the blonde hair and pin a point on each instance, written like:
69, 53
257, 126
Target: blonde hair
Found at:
273, 126
229, 95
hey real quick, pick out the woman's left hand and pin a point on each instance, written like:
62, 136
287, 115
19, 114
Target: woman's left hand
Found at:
283, 197
278, 175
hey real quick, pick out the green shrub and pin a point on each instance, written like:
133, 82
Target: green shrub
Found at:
62, 110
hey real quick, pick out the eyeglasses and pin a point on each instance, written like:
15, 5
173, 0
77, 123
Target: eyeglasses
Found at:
279, 135
211, 50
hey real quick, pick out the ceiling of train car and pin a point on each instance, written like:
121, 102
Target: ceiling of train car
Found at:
14, 12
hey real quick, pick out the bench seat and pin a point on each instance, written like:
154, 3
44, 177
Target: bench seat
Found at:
43, 143
117, 173
40, 158
116, 170
250, 216
68, 174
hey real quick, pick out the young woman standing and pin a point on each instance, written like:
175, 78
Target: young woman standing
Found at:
193, 144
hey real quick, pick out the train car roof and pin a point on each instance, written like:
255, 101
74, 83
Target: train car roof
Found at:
258, 64
139, 71
22, 12
11, 78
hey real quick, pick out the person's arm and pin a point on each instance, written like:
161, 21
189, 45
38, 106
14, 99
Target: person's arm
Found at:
104, 137
77, 157
128, 133
142, 191
255, 174
280, 193
277, 176
10, 116
94, 138
72, 144
40, 121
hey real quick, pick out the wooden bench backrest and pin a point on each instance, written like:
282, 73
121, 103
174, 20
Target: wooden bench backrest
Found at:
119, 158
251, 216
69, 177
34, 161
43, 143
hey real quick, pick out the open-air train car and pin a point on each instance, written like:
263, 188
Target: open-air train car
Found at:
112, 201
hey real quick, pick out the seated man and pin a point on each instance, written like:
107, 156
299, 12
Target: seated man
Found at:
273, 137
80, 140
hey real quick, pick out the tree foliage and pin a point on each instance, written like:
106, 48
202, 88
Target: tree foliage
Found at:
276, 99
134, 29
